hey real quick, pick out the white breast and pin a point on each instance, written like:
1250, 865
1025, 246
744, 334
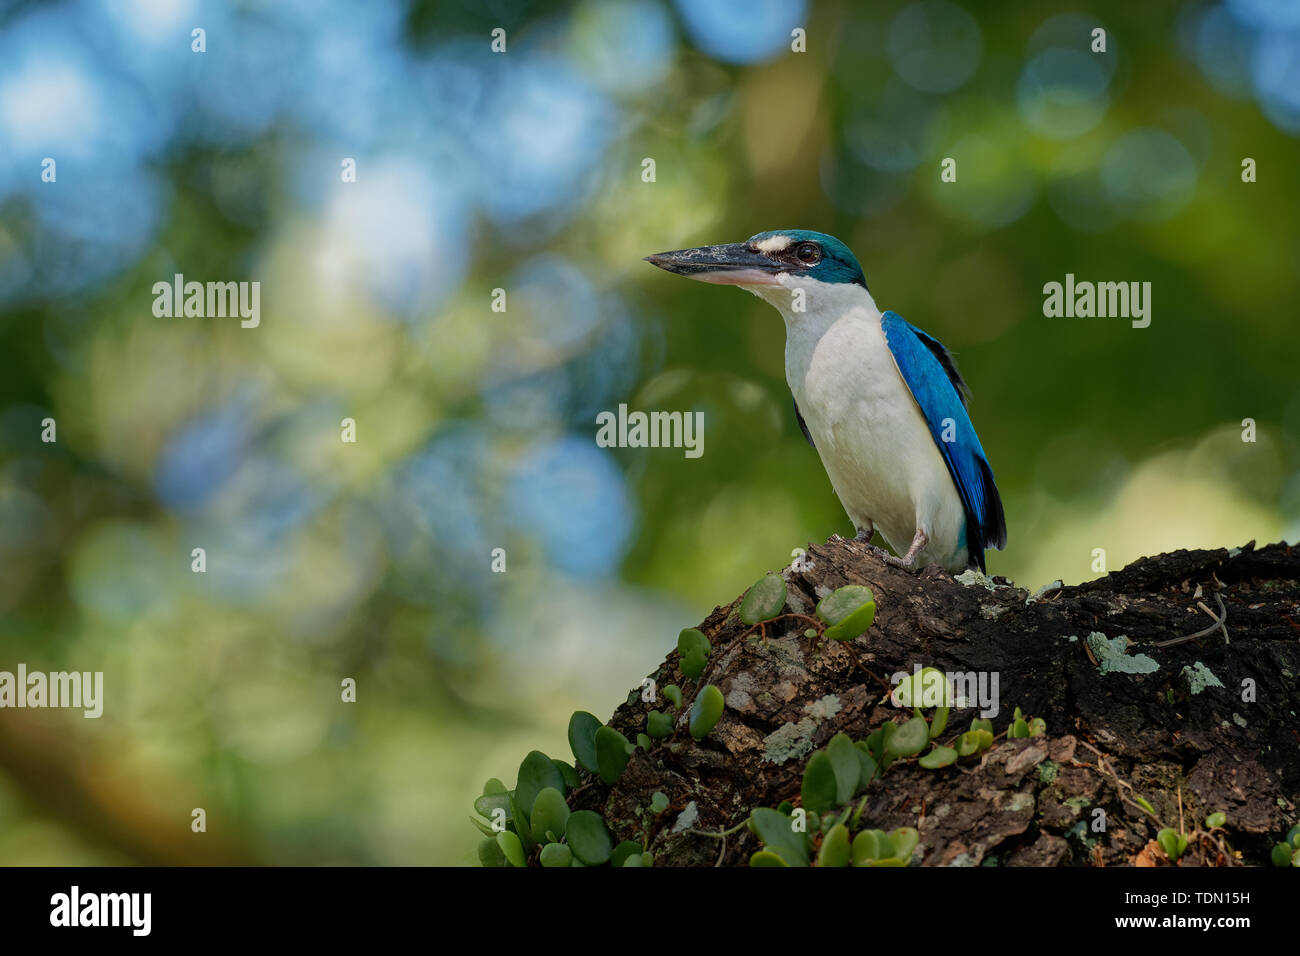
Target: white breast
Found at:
872, 438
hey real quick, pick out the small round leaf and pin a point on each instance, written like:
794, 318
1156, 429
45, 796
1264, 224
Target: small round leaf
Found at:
550, 814
848, 611
588, 838
819, 788
658, 725
622, 852
835, 849
556, 854
611, 754
489, 852
536, 773
705, 711
764, 600
938, 757
511, 847
909, 739
582, 738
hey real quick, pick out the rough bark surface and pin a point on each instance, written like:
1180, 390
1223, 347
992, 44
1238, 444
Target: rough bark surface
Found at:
1170, 736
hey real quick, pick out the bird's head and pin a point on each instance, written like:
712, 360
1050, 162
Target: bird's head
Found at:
780, 258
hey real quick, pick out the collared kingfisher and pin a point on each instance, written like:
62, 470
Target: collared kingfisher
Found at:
881, 401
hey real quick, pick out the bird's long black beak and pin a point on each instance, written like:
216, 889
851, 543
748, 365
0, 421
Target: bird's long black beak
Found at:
730, 264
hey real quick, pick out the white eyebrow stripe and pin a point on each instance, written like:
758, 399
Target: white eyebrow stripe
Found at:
774, 244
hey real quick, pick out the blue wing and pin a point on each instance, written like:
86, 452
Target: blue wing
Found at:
930, 373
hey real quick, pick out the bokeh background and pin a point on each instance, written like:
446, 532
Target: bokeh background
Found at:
522, 171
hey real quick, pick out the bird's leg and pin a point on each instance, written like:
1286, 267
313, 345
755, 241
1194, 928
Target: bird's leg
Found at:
908, 560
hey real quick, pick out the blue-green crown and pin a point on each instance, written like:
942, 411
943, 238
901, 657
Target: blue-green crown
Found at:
837, 262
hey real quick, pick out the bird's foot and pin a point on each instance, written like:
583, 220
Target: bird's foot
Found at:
881, 553
908, 561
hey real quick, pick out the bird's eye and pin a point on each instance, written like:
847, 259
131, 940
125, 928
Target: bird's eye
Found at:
808, 252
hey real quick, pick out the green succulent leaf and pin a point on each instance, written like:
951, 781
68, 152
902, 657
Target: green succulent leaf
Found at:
973, 742
1144, 805
889, 861
764, 600
550, 814
938, 757
511, 848
1281, 855
1019, 728
870, 845
835, 849
848, 768
705, 711
820, 790
674, 694
766, 858
1037, 727
556, 854
489, 852
582, 739
567, 772
980, 723
622, 852
658, 724
1172, 842
866, 764
658, 802
927, 688
856, 817
588, 838
939, 723
1293, 835
847, 611
520, 824
693, 641
493, 786
692, 664
536, 773
1215, 820
909, 738
779, 837
489, 803
644, 742
611, 754
904, 841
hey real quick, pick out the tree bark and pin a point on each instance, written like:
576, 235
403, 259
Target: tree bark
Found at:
1173, 737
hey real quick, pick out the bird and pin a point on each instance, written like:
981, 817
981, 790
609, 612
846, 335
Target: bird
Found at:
880, 401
